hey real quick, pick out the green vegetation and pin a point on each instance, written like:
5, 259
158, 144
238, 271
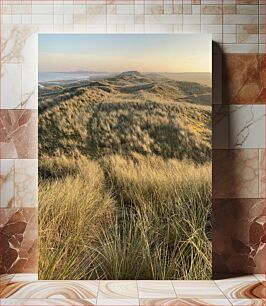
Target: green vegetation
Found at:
125, 181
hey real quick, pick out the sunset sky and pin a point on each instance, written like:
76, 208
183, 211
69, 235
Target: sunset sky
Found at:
116, 53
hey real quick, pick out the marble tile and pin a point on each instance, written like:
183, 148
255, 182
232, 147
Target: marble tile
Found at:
5, 279
220, 126
118, 290
7, 183
235, 173
247, 38
248, 29
211, 9
247, 126
241, 288
29, 93
18, 233
240, 49
117, 302
260, 277
156, 289
183, 302
238, 238
26, 183
197, 289
240, 19
11, 86
248, 302
19, 44
18, 129
247, 1
52, 289
48, 302
247, 9
243, 79
25, 277
262, 174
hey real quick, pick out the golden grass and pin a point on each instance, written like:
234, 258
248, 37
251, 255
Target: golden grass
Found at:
125, 218
71, 210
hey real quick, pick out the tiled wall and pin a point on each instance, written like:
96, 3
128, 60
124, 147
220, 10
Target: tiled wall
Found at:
238, 28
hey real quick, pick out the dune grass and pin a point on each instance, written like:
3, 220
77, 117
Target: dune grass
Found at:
141, 217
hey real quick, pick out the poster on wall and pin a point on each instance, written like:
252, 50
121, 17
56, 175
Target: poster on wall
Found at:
124, 156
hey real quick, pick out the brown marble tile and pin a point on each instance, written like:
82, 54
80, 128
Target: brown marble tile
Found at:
67, 289
50, 302
247, 1
235, 173
244, 287
239, 236
243, 79
229, 9
5, 279
211, 9
18, 235
18, 133
184, 302
248, 28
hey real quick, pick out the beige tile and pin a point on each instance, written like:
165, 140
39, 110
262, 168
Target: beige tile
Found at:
229, 28
247, 9
197, 289
260, 277
156, 289
26, 183
241, 287
7, 183
229, 9
117, 302
187, 9
191, 19
48, 302
240, 48
52, 290
211, 9
42, 9
154, 9
211, 19
248, 29
120, 19
248, 302
240, 19
247, 38
25, 277
118, 290
11, 85
229, 38
209, 28
184, 302
163, 19
125, 9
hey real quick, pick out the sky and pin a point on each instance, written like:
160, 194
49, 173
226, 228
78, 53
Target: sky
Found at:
123, 52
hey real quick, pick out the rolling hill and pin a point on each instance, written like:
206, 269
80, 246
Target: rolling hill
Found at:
125, 113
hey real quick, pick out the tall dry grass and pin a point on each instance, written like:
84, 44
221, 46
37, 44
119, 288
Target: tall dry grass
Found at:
71, 210
125, 218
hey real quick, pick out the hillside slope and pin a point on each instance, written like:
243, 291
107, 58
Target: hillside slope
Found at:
124, 114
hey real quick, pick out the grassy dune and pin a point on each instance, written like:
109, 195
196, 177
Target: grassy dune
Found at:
140, 218
125, 179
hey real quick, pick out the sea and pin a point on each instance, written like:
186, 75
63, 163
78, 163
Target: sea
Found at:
62, 76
